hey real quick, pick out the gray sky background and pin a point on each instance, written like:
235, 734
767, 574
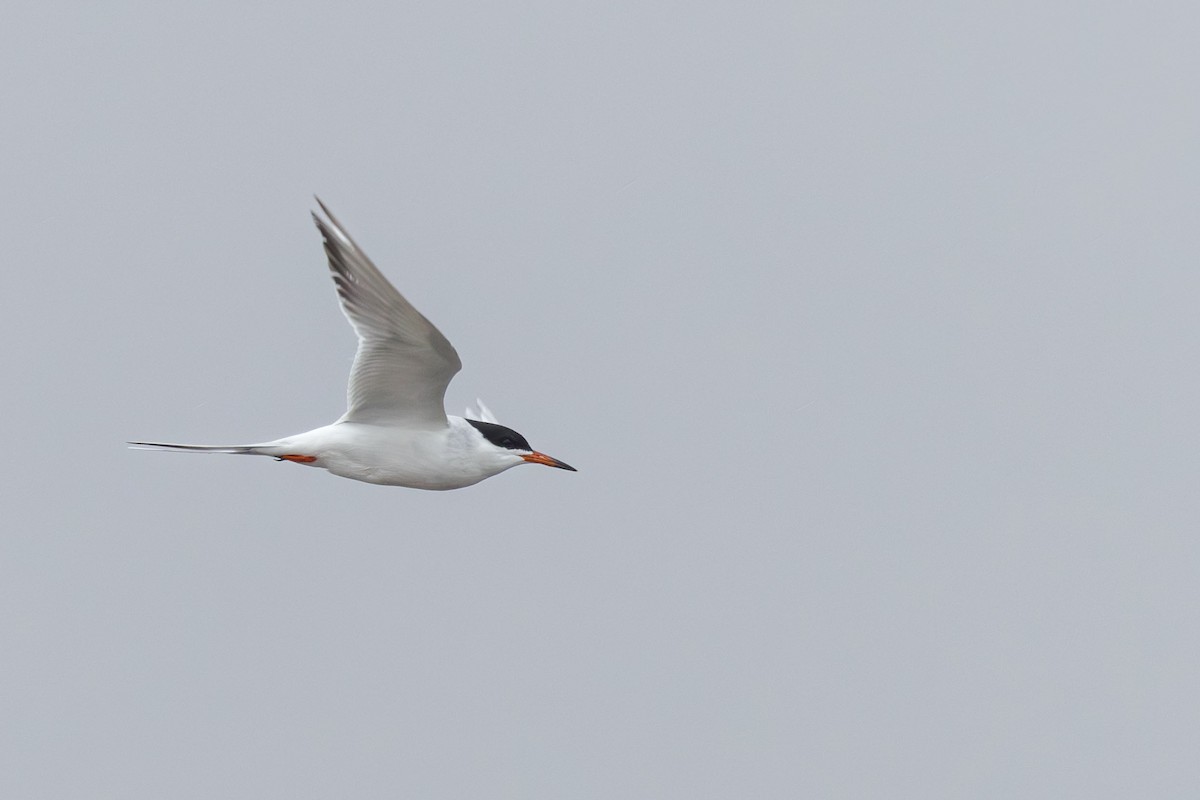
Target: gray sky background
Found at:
871, 328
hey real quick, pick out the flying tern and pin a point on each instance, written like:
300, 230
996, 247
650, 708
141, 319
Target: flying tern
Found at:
396, 431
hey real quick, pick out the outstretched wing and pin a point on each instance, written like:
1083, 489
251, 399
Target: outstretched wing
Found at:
484, 414
404, 363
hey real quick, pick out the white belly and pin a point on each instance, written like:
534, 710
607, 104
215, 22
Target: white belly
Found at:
419, 459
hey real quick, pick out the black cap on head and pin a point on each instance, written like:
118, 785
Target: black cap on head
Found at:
501, 436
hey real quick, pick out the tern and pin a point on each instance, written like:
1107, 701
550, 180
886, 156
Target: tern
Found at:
396, 431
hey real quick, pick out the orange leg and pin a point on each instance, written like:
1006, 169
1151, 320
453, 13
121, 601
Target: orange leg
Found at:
297, 459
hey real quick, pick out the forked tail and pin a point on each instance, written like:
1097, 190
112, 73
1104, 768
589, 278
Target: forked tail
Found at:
240, 450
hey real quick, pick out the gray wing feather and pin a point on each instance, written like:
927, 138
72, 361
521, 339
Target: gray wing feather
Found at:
404, 363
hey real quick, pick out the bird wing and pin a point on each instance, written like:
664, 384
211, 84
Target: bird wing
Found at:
484, 414
403, 364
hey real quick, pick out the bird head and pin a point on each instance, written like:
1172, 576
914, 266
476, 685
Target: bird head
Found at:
511, 448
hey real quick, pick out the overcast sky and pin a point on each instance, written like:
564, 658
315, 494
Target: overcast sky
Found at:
871, 328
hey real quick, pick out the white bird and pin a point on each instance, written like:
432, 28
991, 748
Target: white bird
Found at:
396, 431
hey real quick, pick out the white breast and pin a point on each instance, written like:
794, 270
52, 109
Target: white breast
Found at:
446, 458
